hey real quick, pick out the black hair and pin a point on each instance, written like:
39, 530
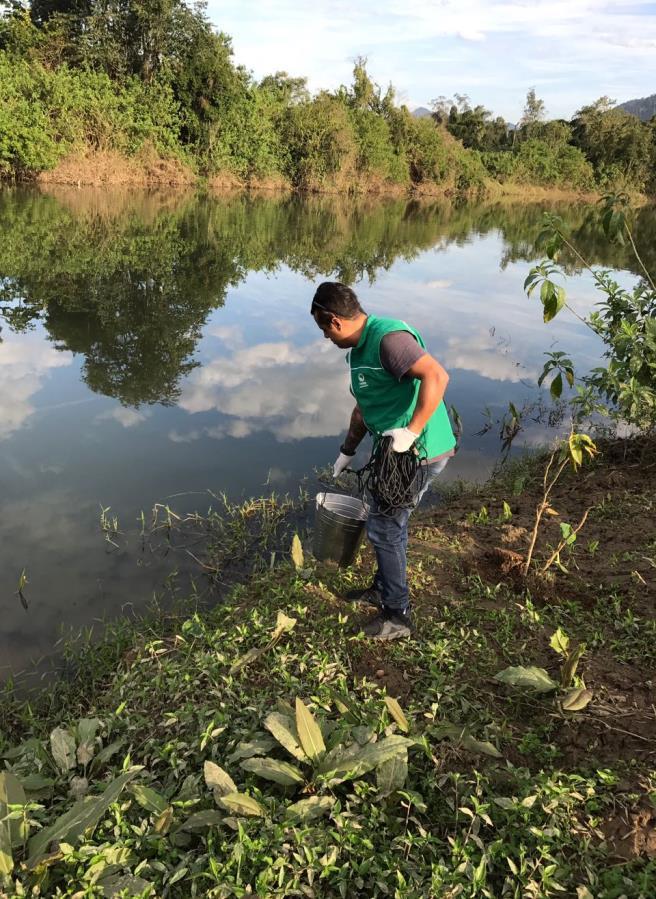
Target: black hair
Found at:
332, 298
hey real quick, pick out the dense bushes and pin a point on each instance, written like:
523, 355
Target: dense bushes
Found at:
537, 162
118, 76
601, 147
46, 113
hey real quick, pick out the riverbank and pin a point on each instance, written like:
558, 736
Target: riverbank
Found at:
500, 790
148, 169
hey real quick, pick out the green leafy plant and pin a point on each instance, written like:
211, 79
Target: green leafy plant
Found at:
563, 366
538, 680
573, 452
625, 320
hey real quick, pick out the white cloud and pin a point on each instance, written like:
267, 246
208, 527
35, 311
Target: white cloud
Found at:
125, 416
25, 363
229, 334
609, 45
189, 437
475, 36
439, 284
293, 392
487, 356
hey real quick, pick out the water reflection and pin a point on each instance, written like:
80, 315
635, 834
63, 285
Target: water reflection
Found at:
161, 344
130, 287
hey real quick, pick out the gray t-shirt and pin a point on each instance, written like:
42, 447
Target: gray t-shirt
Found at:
399, 351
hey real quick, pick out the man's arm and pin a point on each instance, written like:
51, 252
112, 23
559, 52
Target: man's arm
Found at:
356, 432
431, 391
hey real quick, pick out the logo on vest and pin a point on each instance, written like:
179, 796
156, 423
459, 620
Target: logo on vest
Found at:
361, 380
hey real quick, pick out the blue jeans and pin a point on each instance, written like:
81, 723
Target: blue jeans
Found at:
388, 534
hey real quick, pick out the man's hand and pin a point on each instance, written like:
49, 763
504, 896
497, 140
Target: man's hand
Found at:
343, 461
402, 439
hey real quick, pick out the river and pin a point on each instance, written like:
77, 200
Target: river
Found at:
157, 345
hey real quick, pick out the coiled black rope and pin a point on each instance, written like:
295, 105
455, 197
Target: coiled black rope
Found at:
393, 479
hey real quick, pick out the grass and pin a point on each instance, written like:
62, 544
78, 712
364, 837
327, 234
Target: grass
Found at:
505, 794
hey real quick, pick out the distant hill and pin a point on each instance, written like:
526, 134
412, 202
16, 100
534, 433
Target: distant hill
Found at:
421, 112
644, 108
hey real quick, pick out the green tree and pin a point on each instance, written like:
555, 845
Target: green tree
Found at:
618, 144
534, 113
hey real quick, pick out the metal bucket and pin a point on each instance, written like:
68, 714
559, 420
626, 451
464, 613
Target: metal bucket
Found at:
338, 527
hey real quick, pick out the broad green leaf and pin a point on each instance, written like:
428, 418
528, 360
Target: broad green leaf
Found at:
218, 780
149, 799
188, 789
311, 809
12, 793
484, 746
571, 663
530, 678
126, 885
550, 307
396, 712
338, 754
561, 298
362, 734
556, 387
62, 746
392, 774
106, 754
87, 728
559, 641
297, 552
284, 730
247, 658
463, 737
309, 732
31, 747
576, 700
12, 833
241, 804
365, 759
271, 769
259, 745
6, 855
36, 783
209, 817
84, 815
78, 787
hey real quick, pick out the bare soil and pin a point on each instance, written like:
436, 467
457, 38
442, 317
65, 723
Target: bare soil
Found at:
613, 559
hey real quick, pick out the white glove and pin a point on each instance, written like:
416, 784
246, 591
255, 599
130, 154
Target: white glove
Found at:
343, 461
402, 439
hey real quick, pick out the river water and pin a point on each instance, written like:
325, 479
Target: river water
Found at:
159, 345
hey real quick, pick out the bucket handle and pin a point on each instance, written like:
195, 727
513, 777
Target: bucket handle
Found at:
361, 498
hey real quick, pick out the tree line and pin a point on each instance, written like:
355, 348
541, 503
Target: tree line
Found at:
601, 147
131, 75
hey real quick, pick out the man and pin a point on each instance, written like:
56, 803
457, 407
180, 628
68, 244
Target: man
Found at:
399, 392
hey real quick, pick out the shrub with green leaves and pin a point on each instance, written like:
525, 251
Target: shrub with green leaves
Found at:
45, 114
625, 320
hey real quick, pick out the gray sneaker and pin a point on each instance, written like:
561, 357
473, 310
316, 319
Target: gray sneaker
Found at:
389, 625
367, 594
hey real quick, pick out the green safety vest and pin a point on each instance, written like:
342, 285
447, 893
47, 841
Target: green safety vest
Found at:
386, 403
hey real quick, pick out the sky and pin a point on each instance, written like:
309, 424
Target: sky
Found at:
571, 51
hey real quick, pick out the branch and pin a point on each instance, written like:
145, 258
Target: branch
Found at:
563, 543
